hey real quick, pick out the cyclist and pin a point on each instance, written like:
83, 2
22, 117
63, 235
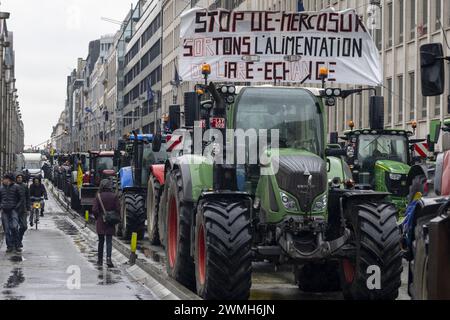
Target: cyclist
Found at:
38, 191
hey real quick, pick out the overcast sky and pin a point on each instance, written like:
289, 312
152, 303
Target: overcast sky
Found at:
49, 36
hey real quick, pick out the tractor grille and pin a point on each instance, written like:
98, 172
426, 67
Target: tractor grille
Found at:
398, 188
291, 178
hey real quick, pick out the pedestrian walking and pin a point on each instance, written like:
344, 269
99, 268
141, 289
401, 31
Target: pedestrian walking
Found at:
26, 207
11, 202
105, 202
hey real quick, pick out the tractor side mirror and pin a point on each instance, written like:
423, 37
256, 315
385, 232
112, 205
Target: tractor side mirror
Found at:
191, 108
157, 143
432, 69
435, 131
334, 138
174, 117
332, 152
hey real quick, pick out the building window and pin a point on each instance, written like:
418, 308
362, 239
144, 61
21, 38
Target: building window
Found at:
401, 8
437, 106
389, 102
437, 14
412, 19
389, 25
400, 99
424, 108
422, 28
412, 95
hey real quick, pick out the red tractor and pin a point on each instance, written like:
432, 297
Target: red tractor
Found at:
101, 166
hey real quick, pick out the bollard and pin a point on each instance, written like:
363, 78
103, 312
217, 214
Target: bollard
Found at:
133, 255
86, 217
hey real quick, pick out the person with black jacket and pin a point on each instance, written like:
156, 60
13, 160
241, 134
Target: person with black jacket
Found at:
11, 202
26, 207
37, 190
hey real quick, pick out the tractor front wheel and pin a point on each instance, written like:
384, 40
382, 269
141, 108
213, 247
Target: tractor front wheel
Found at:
133, 216
223, 259
179, 264
154, 193
374, 272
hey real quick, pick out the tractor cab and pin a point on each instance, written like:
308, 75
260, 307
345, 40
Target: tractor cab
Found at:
137, 155
372, 150
101, 166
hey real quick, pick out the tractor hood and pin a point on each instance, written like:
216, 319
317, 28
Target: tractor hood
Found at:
393, 166
303, 175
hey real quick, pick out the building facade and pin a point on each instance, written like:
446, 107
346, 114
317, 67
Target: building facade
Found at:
142, 69
11, 125
403, 27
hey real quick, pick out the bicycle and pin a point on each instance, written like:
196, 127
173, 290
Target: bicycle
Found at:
36, 210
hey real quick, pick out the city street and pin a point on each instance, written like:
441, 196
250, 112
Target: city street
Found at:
235, 150
36, 274
43, 270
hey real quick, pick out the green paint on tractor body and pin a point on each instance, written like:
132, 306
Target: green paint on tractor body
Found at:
301, 122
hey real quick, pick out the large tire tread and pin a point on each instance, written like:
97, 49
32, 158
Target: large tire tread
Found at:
183, 271
377, 244
229, 257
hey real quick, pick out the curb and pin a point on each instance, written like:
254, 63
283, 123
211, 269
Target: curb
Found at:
145, 270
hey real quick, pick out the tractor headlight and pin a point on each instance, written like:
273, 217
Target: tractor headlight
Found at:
320, 204
288, 202
350, 152
395, 176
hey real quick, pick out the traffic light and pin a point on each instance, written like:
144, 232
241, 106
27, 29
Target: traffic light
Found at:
106, 116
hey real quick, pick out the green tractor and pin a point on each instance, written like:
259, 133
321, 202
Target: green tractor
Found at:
291, 205
381, 159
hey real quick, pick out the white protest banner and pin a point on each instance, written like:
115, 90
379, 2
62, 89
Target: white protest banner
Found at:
268, 46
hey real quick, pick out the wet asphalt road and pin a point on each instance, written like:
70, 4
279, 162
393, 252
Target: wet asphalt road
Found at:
52, 257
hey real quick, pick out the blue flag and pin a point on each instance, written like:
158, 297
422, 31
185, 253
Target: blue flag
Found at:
301, 7
150, 93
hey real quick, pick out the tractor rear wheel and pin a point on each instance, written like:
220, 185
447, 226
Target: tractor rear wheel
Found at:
378, 259
178, 215
154, 193
133, 216
223, 258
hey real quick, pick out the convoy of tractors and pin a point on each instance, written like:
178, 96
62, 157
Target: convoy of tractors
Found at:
332, 210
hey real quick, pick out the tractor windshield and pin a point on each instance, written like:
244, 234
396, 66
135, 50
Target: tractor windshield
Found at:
151, 158
295, 113
105, 163
372, 148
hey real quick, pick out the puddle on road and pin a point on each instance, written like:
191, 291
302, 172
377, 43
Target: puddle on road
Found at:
15, 279
16, 259
107, 278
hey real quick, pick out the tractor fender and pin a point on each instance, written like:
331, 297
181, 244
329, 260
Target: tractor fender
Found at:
126, 178
181, 165
426, 170
158, 172
341, 200
428, 207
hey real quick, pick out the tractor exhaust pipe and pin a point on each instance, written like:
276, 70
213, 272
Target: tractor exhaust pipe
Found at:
376, 112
